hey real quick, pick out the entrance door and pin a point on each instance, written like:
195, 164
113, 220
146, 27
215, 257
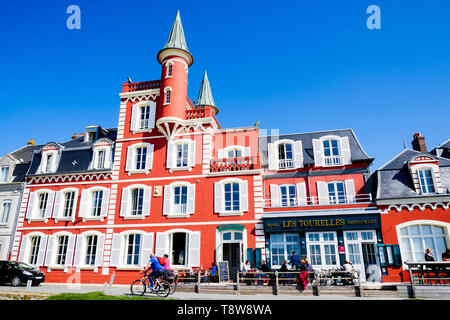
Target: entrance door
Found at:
232, 254
372, 270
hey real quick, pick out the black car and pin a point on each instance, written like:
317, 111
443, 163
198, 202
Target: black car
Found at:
18, 273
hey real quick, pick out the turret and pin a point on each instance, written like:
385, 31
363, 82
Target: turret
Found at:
205, 97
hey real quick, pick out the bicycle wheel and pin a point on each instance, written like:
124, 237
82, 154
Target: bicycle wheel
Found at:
138, 287
163, 289
173, 285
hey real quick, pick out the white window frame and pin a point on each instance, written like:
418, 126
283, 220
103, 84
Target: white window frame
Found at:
60, 202
131, 158
285, 243
81, 251
44, 159
126, 199
223, 153
33, 205
166, 90
172, 155
323, 195
219, 197
4, 178
136, 113
169, 67
169, 199
344, 151
52, 248
119, 249
3, 220
25, 248
273, 155
322, 244
108, 155
164, 245
86, 204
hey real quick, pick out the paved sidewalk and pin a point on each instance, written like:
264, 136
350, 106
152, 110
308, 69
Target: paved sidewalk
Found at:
125, 290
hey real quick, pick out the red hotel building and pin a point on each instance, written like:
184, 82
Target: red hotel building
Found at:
170, 180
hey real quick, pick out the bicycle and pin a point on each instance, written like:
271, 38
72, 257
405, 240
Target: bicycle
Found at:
160, 287
171, 279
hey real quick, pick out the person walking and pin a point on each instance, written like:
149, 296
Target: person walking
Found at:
295, 261
303, 275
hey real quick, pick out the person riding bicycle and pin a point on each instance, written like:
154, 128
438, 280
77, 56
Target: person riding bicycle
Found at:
157, 269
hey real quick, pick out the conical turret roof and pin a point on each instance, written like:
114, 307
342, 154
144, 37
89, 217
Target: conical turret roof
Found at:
205, 97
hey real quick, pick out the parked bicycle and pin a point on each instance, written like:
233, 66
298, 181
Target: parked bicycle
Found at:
161, 287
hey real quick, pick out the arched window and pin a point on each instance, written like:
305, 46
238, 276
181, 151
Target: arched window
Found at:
169, 70
168, 92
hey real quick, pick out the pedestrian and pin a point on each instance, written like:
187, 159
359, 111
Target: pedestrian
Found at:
295, 260
446, 255
428, 255
212, 273
303, 275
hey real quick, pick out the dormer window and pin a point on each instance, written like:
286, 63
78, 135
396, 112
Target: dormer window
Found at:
426, 181
234, 151
49, 159
285, 155
102, 155
4, 174
101, 159
48, 166
91, 136
331, 151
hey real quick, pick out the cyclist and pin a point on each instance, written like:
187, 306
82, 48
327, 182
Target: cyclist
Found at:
156, 267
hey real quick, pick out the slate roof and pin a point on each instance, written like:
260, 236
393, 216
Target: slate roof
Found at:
443, 150
393, 180
75, 157
25, 155
357, 152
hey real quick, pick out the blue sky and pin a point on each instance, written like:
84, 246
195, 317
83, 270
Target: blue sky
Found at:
296, 66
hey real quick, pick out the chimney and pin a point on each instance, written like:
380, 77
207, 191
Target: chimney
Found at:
418, 143
31, 142
75, 136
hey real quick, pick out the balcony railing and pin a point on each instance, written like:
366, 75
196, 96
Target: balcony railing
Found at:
232, 164
139, 86
286, 164
333, 160
199, 113
314, 201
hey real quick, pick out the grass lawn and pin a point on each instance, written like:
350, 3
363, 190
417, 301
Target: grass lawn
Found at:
96, 295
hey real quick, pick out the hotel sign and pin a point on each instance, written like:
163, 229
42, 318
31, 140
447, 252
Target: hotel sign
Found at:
346, 222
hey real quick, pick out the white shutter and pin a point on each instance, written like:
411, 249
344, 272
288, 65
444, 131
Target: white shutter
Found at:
171, 155
42, 248
50, 200
70, 250
218, 197
31, 204
301, 194
190, 199
161, 244
191, 154
194, 249
116, 250
105, 203
84, 203
49, 254
350, 190
298, 154
59, 204
322, 192
100, 248
318, 152
75, 202
274, 195
23, 248
147, 201
246, 152
108, 158
130, 164
55, 160
273, 156
220, 154
167, 200
78, 250
149, 157
345, 149
147, 248
135, 113
243, 196
151, 120
124, 202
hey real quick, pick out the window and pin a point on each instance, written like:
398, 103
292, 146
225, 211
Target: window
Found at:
231, 196
168, 93
285, 156
180, 199
322, 249
288, 196
42, 204
4, 174
6, 208
69, 198
331, 152
91, 136
336, 192
179, 245
416, 238
97, 198
145, 117
101, 159
182, 155
48, 164
141, 155
61, 250
91, 249
282, 245
137, 201
235, 153
34, 250
426, 181
169, 70
133, 249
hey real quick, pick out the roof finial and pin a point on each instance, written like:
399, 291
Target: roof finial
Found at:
205, 97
